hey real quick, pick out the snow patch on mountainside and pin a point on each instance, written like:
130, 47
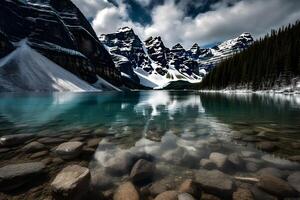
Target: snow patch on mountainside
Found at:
27, 70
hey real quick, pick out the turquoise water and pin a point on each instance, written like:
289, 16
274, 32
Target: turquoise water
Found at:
157, 110
182, 126
175, 129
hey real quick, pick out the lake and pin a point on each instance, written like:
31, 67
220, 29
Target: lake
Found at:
181, 133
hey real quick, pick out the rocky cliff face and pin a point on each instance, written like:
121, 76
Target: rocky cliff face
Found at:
153, 61
58, 30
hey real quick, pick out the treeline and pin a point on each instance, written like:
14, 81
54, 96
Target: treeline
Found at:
272, 61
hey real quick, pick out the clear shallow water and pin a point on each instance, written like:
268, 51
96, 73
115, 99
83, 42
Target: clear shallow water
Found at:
176, 129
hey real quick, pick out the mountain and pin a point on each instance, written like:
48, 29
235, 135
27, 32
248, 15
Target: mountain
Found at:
57, 30
27, 70
210, 57
151, 64
273, 62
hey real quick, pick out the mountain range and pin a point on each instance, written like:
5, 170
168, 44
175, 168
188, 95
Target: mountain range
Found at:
54, 34
153, 65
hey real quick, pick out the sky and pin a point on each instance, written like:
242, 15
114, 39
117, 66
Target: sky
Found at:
190, 21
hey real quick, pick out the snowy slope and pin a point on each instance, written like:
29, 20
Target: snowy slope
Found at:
27, 70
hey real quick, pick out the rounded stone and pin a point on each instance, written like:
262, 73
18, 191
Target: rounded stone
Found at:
185, 196
207, 164
33, 147
190, 187
168, 195
267, 146
142, 170
126, 191
275, 186
71, 183
69, 150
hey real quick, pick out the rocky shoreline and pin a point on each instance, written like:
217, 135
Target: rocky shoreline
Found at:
59, 167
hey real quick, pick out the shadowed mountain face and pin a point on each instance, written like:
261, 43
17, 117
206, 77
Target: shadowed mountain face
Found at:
58, 30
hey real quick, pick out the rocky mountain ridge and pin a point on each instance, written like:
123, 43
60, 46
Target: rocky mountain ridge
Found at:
157, 65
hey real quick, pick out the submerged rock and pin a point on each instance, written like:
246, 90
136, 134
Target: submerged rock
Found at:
221, 160
242, 194
126, 191
267, 146
16, 175
275, 186
294, 158
71, 183
190, 187
185, 196
215, 182
294, 180
34, 147
207, 164
142, 170
16, 139
271, 171
168, 195
69, 150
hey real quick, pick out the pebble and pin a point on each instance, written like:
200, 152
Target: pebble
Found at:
242, 194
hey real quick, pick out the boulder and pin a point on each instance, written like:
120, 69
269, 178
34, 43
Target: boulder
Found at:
71, 183
190, 187
69, 150
207, 164
215, 182
242, 194
16, 175
126, 191
33, 147
15, 139
168, 195
142, 170
221, 160
267, 146
185, 196
294, 180
275, 186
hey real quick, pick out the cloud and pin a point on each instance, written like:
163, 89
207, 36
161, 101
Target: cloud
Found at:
220, 20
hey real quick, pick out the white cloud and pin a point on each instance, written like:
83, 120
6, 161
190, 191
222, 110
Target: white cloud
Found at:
169, 21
